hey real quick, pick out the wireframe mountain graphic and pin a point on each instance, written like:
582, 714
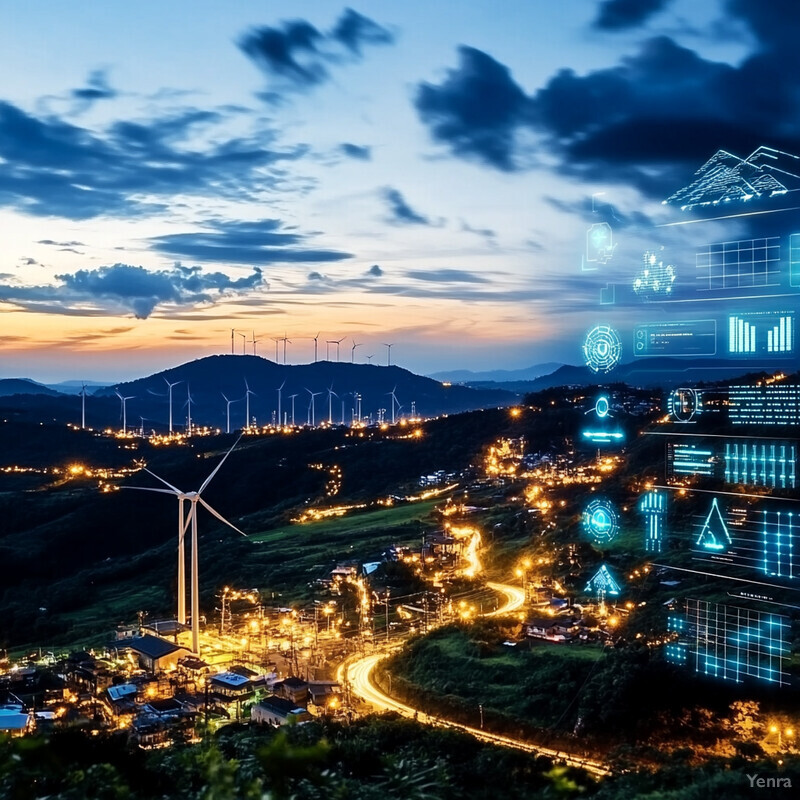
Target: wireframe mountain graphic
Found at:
727, 178
714, 534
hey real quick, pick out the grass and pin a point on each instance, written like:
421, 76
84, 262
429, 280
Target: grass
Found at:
353, 523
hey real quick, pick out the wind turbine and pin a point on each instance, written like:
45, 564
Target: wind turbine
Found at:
276, 340
353, 351
316, 340
191, 520
228, 410
169, 388
394, 400
83, 406
233, 332
331, 395
280, 389
244, 341
388, 346
254, 341
311, 406
188, 404
292, 396
369, 359
285, 340
124, 401
247, 394
337, 342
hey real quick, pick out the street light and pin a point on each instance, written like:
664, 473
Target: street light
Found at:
788, 732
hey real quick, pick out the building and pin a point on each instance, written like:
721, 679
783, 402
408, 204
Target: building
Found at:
230, 686
292, 689
278, 711
154, 653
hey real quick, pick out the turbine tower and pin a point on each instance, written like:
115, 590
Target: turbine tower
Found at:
285, 340
254, 341
394, 400
83, 407
388, 346
276, 340
191, 520
247, 394
353, 351
188, 405
331, 395
337, 342
228, 410
292, 396
124, 401
169, 389
280, 389
311, 407
233, 333
316, 341
244, 341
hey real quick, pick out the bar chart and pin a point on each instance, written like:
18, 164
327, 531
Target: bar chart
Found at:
761, 333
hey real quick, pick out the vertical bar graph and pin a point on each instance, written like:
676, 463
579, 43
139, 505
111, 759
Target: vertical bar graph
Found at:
761, 333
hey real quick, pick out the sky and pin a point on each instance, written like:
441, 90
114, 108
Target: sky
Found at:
420, 173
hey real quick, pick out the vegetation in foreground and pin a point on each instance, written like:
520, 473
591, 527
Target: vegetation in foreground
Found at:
377, 758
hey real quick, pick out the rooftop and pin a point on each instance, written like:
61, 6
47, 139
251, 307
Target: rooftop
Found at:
150, 646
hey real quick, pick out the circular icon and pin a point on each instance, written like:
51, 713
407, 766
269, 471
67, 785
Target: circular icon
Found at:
602, 349
601, 521
683, 404
601, 407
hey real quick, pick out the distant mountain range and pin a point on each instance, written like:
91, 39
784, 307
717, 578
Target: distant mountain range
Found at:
207, 379
497, 375
725, 178
662, 372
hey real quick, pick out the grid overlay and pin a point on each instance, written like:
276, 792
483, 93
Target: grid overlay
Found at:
730, 643
739, 264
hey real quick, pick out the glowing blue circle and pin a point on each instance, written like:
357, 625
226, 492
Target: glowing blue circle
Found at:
601, 407
600, 521
602, 349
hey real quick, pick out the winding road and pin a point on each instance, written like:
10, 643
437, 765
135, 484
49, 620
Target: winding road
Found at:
359, 677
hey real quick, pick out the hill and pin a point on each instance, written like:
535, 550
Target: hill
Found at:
496, 375
12, 386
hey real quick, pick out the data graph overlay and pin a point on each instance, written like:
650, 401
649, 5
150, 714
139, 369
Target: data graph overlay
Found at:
730, 642
760, 539
794, 260
696, 337
689, 458
685, 404
761, 333
653, 506
742, 264
761, 463
771, 404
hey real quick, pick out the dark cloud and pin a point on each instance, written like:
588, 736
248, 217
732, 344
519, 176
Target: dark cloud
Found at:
296, 55
359, 152
375, 271
52, 243
123, 288
486, 233
29, 262
243, 242
400, 211
354, 30
316, 276
617, 15
476, 110
52, 167
648, 120
97, 88
446, 276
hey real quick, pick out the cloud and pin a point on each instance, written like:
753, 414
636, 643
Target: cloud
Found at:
375, 271
52, 167
486, 233
646, 120
97, 88
316, 276
296, 55
615, 15
401, 213
52, 243
476, 110
446, 276
29, 262
359, 152
123, 288
261, 243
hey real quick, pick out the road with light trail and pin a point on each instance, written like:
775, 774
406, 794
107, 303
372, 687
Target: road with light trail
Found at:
514, 599
359, 677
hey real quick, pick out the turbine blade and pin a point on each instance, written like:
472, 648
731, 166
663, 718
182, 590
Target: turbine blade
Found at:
148, 489
216, 469
219, 516
158, 478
